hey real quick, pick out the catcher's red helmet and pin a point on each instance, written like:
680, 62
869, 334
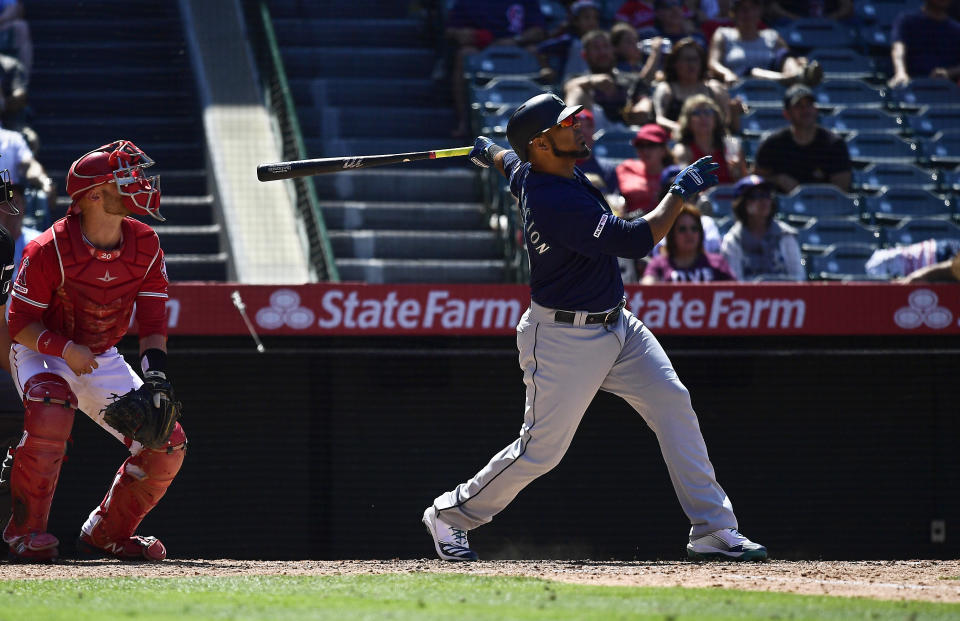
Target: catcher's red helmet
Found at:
122, 162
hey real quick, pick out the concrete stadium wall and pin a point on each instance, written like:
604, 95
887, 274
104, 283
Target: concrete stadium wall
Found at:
332, 449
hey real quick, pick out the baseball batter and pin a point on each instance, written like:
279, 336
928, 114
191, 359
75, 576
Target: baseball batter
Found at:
577, 338
72, 300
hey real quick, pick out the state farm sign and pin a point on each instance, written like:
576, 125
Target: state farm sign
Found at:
720, 309
703, 309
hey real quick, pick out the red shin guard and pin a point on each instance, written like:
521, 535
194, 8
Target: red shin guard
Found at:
48, 419
140, 483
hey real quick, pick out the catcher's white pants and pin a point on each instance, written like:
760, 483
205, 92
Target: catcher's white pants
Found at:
563, 368
94, 390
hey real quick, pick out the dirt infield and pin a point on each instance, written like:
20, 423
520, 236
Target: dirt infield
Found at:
937, 581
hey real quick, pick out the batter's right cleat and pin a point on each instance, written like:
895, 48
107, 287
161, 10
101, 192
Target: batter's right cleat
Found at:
451, 543
33, 547
725, 544
135, 548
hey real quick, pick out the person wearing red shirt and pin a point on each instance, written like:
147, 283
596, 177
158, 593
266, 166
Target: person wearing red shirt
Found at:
72, 301
639, 178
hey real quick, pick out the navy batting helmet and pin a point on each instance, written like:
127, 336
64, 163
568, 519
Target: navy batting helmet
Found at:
535, 116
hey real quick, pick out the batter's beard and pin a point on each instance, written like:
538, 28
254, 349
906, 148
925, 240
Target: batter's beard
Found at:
580, 154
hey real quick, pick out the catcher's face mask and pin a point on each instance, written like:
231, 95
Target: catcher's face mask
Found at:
123, 163
7, 204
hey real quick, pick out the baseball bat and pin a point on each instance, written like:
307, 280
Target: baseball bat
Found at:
306, 168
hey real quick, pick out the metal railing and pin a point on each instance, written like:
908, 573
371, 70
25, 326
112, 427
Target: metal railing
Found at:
280, 103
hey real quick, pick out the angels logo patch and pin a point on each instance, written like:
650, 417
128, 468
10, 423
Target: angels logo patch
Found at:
20, 284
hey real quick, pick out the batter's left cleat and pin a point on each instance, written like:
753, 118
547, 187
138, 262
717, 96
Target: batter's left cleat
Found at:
725, 544
135, 548
451, 543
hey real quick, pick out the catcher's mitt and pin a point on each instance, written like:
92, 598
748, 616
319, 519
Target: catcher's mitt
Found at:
147, 414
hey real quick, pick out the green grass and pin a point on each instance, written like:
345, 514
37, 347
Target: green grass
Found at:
418, 596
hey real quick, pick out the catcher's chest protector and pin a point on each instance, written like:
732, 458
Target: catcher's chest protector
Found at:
95, 301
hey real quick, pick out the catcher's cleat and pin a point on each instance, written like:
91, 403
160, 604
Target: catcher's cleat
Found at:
32, 547
725, 544
135, 548
451, 543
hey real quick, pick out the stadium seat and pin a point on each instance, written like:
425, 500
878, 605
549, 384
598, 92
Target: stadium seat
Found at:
849, 93
615, 144
880, 13
943, 150
928, 121
844, 64
876, 177
951, 180
861, 120
495, 123
806, 33
818, 200
845, 261
912, 230
868, 148
501, 92
819, 234
759, 93
894, 204
718, 201
501, 61
762, 120
926, 92
876, 38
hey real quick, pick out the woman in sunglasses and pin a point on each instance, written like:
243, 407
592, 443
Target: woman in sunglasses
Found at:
758, 247
685, 73
683, 258
701, 132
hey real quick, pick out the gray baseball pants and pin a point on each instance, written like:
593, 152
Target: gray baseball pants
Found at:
564, 366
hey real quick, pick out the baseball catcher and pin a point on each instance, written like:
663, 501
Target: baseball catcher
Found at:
72, 301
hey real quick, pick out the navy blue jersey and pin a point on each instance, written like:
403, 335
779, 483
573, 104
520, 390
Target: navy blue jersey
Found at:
572, 238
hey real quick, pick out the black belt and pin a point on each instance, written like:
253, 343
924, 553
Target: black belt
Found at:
593, 318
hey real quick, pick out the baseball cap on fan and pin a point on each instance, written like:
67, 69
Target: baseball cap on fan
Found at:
651, 132
748, 183
795, 93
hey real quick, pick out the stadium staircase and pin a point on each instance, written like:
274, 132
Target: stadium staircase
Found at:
108, 69
360, 74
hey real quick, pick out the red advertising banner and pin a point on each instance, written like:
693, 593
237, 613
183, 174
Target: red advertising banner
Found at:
696, 309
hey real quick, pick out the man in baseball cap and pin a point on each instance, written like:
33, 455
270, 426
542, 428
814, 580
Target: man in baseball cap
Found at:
803, 152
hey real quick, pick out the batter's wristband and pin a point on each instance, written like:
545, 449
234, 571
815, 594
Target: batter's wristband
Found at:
493, 150
52, 344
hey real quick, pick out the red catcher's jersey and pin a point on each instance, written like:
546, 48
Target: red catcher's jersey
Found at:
87, 294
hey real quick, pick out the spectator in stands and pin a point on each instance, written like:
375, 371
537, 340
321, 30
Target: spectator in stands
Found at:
803, 152
926, 42
932, 260
746, 50
13, 93
561, 56
601, 175
670, 24
25, 170
20, 233
683, 258
685, 69
639, 179
785, 11
758, 246
15, 33
701, 132
636, 13
622, 97
473, 25
630, 57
